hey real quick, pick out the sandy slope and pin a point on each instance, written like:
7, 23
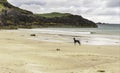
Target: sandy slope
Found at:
18, 54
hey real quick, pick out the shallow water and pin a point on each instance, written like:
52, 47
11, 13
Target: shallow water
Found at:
103, 35
102, 29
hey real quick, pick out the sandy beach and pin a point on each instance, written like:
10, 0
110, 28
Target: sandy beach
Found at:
22, 53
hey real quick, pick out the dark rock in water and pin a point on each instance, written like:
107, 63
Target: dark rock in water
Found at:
32, 34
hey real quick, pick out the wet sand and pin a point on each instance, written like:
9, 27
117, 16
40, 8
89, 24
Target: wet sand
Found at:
21, 54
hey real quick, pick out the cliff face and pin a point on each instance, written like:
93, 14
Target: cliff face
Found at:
11, 15
14, 17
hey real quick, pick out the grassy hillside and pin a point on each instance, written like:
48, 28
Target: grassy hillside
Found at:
1, 6
53, 14
3, 1
14, 17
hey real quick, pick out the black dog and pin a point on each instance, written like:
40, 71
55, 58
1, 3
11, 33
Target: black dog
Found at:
76, 41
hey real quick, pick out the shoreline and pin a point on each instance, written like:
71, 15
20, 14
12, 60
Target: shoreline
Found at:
86, 38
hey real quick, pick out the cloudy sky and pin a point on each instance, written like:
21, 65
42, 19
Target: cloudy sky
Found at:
107, 11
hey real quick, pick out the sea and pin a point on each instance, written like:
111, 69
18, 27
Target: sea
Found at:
110, 29
105, 34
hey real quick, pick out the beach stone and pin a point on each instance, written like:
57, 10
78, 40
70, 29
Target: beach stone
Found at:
32, 34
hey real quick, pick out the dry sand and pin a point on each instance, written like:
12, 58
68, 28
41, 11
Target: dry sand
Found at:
18, 54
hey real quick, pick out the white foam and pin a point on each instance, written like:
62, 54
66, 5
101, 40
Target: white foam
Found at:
102, 41
85, 37
56, 31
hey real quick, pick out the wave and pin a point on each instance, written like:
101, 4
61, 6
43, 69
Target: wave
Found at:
59, 32
86, 38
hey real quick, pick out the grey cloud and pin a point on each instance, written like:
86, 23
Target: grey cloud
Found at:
35, 2
27, 2
113, 3
103, 8
109, 13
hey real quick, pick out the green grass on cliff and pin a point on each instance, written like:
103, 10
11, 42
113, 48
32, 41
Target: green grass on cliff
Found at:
1, 7
3, 0
54, 14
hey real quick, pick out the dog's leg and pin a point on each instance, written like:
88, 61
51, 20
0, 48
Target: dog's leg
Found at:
79, 43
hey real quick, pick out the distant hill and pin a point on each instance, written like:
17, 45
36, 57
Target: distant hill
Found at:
65, 20
14, 17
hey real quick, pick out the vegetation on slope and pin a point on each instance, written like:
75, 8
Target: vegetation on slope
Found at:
14, 17
53, 14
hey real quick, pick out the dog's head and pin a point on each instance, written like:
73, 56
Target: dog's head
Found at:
74, 38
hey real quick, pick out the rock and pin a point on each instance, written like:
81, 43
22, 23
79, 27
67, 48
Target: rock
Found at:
32, 34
